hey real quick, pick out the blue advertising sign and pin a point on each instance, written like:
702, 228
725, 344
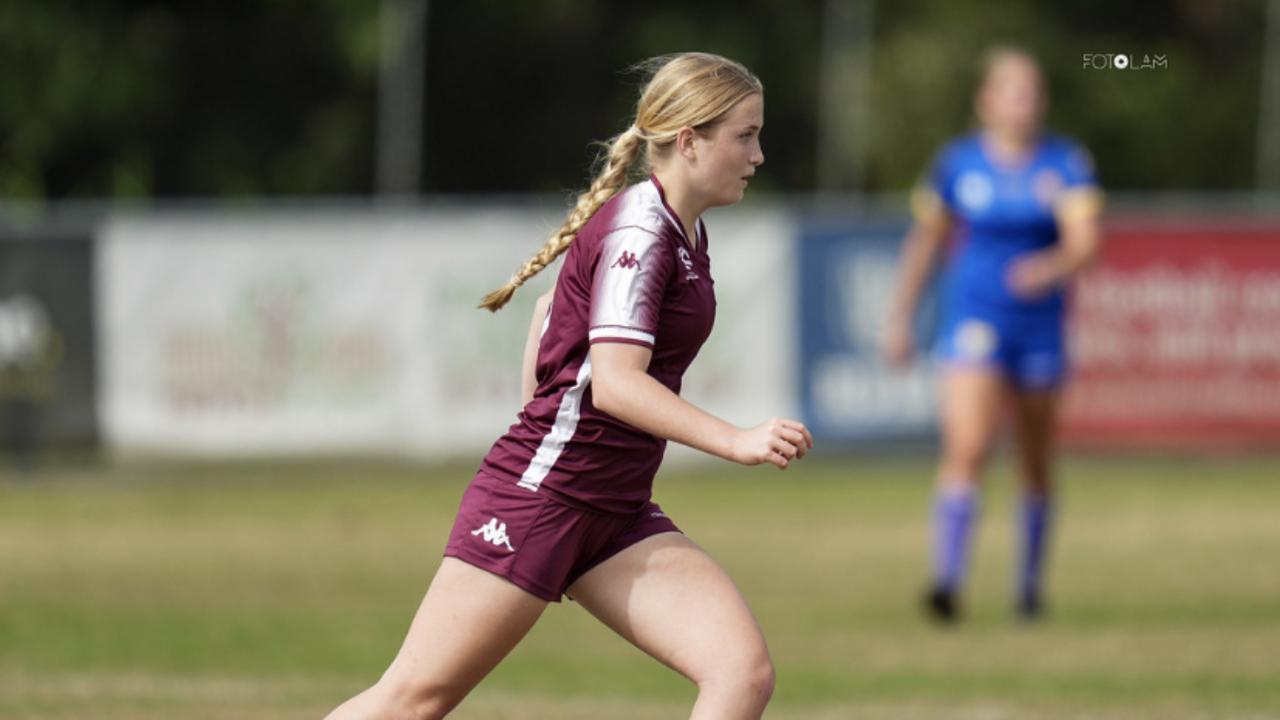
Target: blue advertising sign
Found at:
847, 393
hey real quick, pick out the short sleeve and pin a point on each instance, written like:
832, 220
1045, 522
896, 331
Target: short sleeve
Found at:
1078, 169
631, 277
1081, 198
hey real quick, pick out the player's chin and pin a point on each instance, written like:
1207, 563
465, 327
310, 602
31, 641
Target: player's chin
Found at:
734, 193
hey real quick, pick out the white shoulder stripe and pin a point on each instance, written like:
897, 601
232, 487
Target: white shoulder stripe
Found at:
653, 196
642, 207
562, 431
613, 331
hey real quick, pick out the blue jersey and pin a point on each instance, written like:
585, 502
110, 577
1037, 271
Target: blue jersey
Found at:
1003, 212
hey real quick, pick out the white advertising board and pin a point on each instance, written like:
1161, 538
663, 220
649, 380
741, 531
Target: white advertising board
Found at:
268, 333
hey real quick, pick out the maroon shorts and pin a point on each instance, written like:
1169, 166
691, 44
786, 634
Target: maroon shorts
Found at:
538, 543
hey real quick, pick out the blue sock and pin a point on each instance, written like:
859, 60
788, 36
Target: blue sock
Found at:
1037, 513
953, 516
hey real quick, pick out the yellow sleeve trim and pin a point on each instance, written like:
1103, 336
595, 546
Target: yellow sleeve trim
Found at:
1080, 203
927, 207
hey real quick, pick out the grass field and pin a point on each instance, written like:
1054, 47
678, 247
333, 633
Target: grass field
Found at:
273, 591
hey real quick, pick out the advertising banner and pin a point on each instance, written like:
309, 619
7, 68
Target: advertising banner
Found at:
846, 272
47, 341
270, 333
1176, 338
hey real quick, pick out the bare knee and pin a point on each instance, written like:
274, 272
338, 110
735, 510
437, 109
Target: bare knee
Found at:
961, 469
962, 461
750, 675
1037, 483
764, 678
417, 700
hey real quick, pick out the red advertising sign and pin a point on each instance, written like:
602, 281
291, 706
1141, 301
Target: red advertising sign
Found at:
1176, 338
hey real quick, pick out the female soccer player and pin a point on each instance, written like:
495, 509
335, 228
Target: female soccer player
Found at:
1024, 208
561, 504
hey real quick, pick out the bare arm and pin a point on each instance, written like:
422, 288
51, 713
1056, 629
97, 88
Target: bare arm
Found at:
621, 387
529, 363
1079, 217
920, 252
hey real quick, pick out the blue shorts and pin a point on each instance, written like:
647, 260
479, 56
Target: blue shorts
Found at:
1028, 349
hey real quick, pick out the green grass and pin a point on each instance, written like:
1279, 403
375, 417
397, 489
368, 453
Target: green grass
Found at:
226, 591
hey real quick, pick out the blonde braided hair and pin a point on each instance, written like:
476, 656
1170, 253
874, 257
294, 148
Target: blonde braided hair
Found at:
692, 90
622, 153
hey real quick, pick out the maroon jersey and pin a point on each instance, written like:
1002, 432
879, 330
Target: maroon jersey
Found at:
630, 276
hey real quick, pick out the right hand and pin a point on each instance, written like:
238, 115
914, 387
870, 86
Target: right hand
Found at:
777, 441
897, 346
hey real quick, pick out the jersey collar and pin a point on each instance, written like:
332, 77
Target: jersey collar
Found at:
674, 218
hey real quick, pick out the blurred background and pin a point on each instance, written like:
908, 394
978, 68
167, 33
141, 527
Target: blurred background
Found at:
243, 382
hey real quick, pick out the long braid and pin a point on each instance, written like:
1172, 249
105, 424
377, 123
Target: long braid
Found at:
623, 152
687, 90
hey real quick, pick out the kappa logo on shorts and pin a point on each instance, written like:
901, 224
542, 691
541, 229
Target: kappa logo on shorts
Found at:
626, 261
495, 532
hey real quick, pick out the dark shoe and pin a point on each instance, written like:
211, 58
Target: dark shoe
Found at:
941, 605
1030, 608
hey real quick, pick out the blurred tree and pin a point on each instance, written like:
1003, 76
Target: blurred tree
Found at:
121, 98
544, 79
1191, 125
137, 98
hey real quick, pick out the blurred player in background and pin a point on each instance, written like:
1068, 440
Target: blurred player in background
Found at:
561, 504
1023, 209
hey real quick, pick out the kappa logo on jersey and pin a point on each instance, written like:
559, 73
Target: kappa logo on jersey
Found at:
689, 274
626, 261
494, 532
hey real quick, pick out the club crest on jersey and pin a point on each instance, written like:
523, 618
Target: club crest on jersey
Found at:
689, 274
975, 191
1047, 185
494, 532
626, 261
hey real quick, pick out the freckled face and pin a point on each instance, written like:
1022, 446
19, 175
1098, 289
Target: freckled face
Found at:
729, 153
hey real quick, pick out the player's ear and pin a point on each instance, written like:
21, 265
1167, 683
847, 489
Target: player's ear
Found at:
684, 143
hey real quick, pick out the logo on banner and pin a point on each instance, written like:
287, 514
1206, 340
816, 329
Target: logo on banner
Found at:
626, 261
26, 339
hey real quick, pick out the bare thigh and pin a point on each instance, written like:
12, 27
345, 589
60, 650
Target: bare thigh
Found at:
1035, 429
972, 412
468, 621
669, 598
